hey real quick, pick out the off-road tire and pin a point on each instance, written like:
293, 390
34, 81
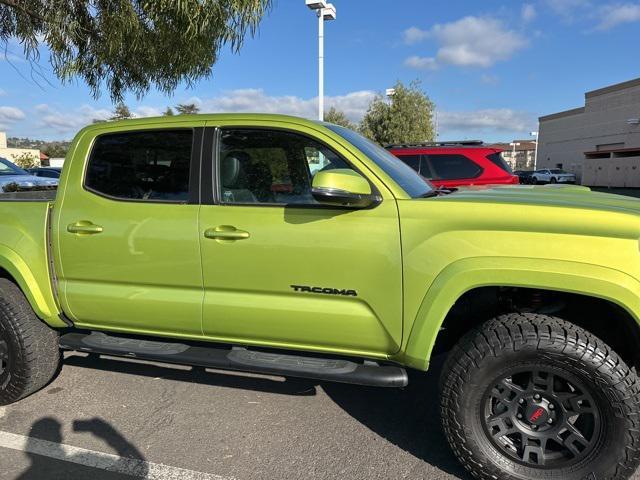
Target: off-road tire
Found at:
520, 341
33, 354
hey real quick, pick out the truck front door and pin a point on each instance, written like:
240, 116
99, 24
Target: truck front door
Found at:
282, 270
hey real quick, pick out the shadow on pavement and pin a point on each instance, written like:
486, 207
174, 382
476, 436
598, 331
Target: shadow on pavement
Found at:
408, 418
53, 462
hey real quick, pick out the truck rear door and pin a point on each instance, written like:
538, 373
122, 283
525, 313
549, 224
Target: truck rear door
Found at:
126, 231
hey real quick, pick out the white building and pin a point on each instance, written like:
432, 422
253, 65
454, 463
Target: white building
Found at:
11, 153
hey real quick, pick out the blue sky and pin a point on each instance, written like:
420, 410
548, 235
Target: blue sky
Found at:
491, 67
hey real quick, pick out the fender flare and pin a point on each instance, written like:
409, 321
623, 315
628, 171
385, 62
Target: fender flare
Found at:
42, 303
468, 273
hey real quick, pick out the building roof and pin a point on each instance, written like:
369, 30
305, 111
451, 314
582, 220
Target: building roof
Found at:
593, 93
566, 113
43, 156
613, 88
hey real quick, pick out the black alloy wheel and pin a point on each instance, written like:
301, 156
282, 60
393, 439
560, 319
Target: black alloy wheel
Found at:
542, 418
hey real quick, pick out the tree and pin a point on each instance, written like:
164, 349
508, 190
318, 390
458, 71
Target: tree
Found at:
55, 149
187, 108
26, 160
121, 112
407, 117
339, 118
168, 112
130, 45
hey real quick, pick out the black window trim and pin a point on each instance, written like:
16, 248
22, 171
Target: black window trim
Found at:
212, 194
194, 193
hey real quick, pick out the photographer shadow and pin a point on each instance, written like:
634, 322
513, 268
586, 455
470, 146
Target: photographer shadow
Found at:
51, 460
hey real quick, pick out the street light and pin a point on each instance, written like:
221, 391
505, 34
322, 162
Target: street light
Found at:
325, 11
535, 155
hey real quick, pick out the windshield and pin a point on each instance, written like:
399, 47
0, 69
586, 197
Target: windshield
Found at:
402, 174
8, 168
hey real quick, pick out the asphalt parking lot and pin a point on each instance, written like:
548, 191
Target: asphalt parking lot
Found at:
104, 416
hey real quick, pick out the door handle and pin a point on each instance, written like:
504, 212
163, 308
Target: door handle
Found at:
84, 227
226, 232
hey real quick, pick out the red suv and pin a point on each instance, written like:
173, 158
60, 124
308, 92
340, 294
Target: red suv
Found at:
454, 164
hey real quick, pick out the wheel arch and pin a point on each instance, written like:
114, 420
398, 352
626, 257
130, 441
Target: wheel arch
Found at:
13, 267
469, 274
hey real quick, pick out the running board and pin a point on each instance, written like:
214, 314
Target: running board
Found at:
237, 358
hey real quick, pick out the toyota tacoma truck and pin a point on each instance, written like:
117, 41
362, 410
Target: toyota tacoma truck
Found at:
282, 246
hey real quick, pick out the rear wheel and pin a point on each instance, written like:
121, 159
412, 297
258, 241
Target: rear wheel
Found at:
554, 180
528, 396
29, 352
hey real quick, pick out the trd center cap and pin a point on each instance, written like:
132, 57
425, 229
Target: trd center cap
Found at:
537, 415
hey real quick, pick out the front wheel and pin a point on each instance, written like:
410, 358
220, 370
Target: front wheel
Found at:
528, 396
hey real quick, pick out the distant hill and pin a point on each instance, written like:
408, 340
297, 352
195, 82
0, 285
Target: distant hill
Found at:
53, 149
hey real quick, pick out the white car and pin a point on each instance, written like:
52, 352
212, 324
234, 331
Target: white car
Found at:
552, 176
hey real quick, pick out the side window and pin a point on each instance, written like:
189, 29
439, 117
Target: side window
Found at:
270, 166
412, 160
452, 167
148, 165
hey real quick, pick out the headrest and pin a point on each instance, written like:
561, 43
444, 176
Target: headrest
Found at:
231, 166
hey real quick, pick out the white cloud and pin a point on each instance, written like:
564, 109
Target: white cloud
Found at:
568, 8
353, 104
54, 120
11, 114
145, 111
414, 35
421, 63
471, 42
489, 79
528, 12
487, 120
616, 14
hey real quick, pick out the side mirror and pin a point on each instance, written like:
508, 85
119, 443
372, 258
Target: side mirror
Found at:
342, 187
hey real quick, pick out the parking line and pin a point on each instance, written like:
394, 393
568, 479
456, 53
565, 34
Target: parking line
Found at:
100, 460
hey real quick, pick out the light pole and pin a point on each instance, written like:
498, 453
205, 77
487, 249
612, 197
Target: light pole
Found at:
535, 156
325, 11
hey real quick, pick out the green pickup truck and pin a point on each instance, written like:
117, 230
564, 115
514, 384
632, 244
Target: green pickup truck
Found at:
282, 246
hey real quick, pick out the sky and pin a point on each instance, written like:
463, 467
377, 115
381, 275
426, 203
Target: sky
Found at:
491, 67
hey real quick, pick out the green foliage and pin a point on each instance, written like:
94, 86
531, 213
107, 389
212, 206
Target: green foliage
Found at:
168, 112
121, 112
339, 118
187, 108
130, 45
26, 160
407, 117
55, 149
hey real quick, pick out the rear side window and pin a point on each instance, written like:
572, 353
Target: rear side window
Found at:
451, 167
496, 159
143, 166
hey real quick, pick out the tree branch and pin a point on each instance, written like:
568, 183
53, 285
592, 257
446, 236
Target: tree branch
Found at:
15, 4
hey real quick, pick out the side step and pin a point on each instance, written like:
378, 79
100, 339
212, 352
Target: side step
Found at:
241, 359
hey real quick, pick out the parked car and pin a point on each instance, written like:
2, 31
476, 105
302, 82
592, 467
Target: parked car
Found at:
455, 164
554, 175
47, 172
353, 274
12, 175
525, 176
